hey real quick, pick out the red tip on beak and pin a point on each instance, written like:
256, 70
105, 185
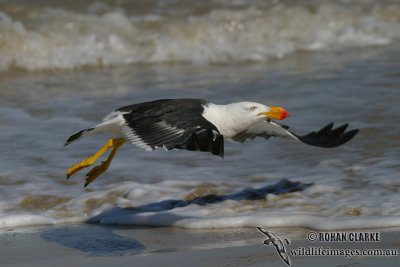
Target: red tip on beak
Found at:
284, 114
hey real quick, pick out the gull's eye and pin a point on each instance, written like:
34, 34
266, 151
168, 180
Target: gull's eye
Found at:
252, 108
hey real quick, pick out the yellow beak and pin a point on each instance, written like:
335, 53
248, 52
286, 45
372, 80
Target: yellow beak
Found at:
277, 113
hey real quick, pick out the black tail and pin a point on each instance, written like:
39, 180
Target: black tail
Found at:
76, 136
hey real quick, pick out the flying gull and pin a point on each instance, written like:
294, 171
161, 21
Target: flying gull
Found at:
195, 125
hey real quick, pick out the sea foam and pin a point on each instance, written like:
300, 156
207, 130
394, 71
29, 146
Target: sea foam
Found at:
58, 38
264, 219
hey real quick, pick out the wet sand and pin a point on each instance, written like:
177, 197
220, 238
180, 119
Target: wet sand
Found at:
95, 245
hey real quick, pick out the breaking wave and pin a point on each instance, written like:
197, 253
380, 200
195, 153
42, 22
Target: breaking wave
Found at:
106, 34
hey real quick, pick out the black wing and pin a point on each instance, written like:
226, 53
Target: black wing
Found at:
325, 137
172, 124
329, 136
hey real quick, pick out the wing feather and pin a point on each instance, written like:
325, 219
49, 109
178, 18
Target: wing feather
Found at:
327, 136
169, 125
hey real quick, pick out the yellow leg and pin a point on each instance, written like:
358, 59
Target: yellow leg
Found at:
96, 171
90, 160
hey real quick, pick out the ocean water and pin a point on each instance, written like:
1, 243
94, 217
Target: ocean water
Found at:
65, 66
43, 35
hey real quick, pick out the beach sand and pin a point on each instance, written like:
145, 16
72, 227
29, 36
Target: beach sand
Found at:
96, 245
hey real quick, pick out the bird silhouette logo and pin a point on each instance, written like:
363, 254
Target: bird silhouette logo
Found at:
274, 240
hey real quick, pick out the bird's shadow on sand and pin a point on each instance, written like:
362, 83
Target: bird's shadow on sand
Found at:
100, 240
95, 240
